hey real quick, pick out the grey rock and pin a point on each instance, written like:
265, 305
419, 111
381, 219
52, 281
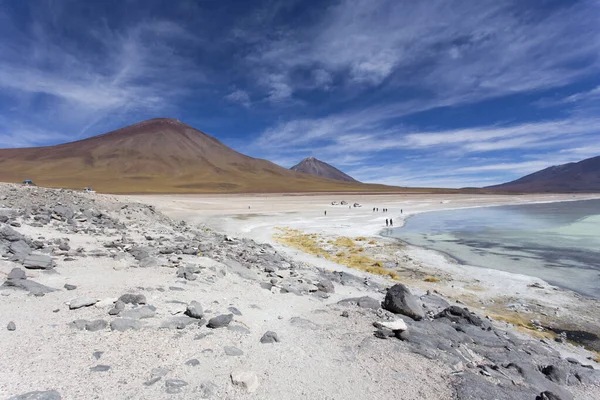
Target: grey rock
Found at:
70, 287
194, 310
38, 261
399, 300
175, 385
130, 298
20, 248
345, 314
124, 324
82, 302
556, 374
384, 333
8, 233
11, 326
79, 324
64, 212
149, 262
97, 354
303, 323
118, 307
362, 302
206, 390
269, 337
28, 285
238, 329
16, 274
233, 351
64, 247
96, 325
100, 368
193, 362
220, 321
325, 285
179, 322
152, 381
139, 313
235, 311
460, 315
37, 395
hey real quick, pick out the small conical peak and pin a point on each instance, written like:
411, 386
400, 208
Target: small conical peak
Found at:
310, 159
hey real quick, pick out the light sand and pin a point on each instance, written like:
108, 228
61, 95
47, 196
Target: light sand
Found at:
493, 292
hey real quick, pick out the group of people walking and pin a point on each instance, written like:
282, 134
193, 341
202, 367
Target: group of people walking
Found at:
389, 222
382, 210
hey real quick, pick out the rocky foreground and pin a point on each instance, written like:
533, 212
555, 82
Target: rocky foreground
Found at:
104, 299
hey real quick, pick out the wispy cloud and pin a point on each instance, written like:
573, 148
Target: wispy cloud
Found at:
239, 96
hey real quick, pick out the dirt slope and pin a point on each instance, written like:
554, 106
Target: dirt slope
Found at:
158, 156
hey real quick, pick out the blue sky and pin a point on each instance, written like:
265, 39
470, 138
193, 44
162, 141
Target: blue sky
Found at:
416, 93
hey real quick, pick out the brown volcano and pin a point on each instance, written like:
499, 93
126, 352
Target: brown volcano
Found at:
158, 156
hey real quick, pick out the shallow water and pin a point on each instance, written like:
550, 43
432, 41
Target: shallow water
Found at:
558, 242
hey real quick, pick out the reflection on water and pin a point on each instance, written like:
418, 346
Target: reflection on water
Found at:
558, 242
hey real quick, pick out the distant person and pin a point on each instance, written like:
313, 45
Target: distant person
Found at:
400, 211
373, 209
391, 222
387, 223
325, 212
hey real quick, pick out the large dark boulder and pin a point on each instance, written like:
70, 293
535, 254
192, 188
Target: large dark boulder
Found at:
399, 300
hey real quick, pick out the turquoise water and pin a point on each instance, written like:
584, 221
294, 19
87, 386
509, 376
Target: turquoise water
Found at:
558, 242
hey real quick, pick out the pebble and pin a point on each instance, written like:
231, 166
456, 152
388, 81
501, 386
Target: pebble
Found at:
133, 298
233, 351
220, 321
82, 302
70, 287
123, 324
194, 310
11, 326
175, 385
269, 337
100, 368
193, 362
245, 379
235, 311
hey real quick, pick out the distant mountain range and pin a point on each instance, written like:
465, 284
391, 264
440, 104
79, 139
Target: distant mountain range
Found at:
319, 168
576, 177
160, 156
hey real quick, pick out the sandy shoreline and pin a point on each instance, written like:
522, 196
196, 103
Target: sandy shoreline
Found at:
104, 297
516, 298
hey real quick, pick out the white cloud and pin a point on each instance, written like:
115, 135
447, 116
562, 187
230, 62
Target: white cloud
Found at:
239, 96
457, 51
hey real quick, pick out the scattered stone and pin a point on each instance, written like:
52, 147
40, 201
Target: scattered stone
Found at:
11, 326
245, 379
48, 395
179, 322
194, 362
100, 368
156, 375
220, 321
118, 307
325, 285
384, 333
133, 299
16, 274
175, 385
79, 324
38, 261
82, 302
233, 351
345, 314
207, 390
399, 300
97, 354
139, 313
269, 337
362, 302
70, 287
235, 311
123, 324
397, 325
96, 325
238, 329
194, 310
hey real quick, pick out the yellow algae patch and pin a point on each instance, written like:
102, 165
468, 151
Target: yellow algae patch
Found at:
341, 250
523, 324
431, 279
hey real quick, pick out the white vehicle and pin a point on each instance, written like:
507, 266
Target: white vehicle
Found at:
89, 190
